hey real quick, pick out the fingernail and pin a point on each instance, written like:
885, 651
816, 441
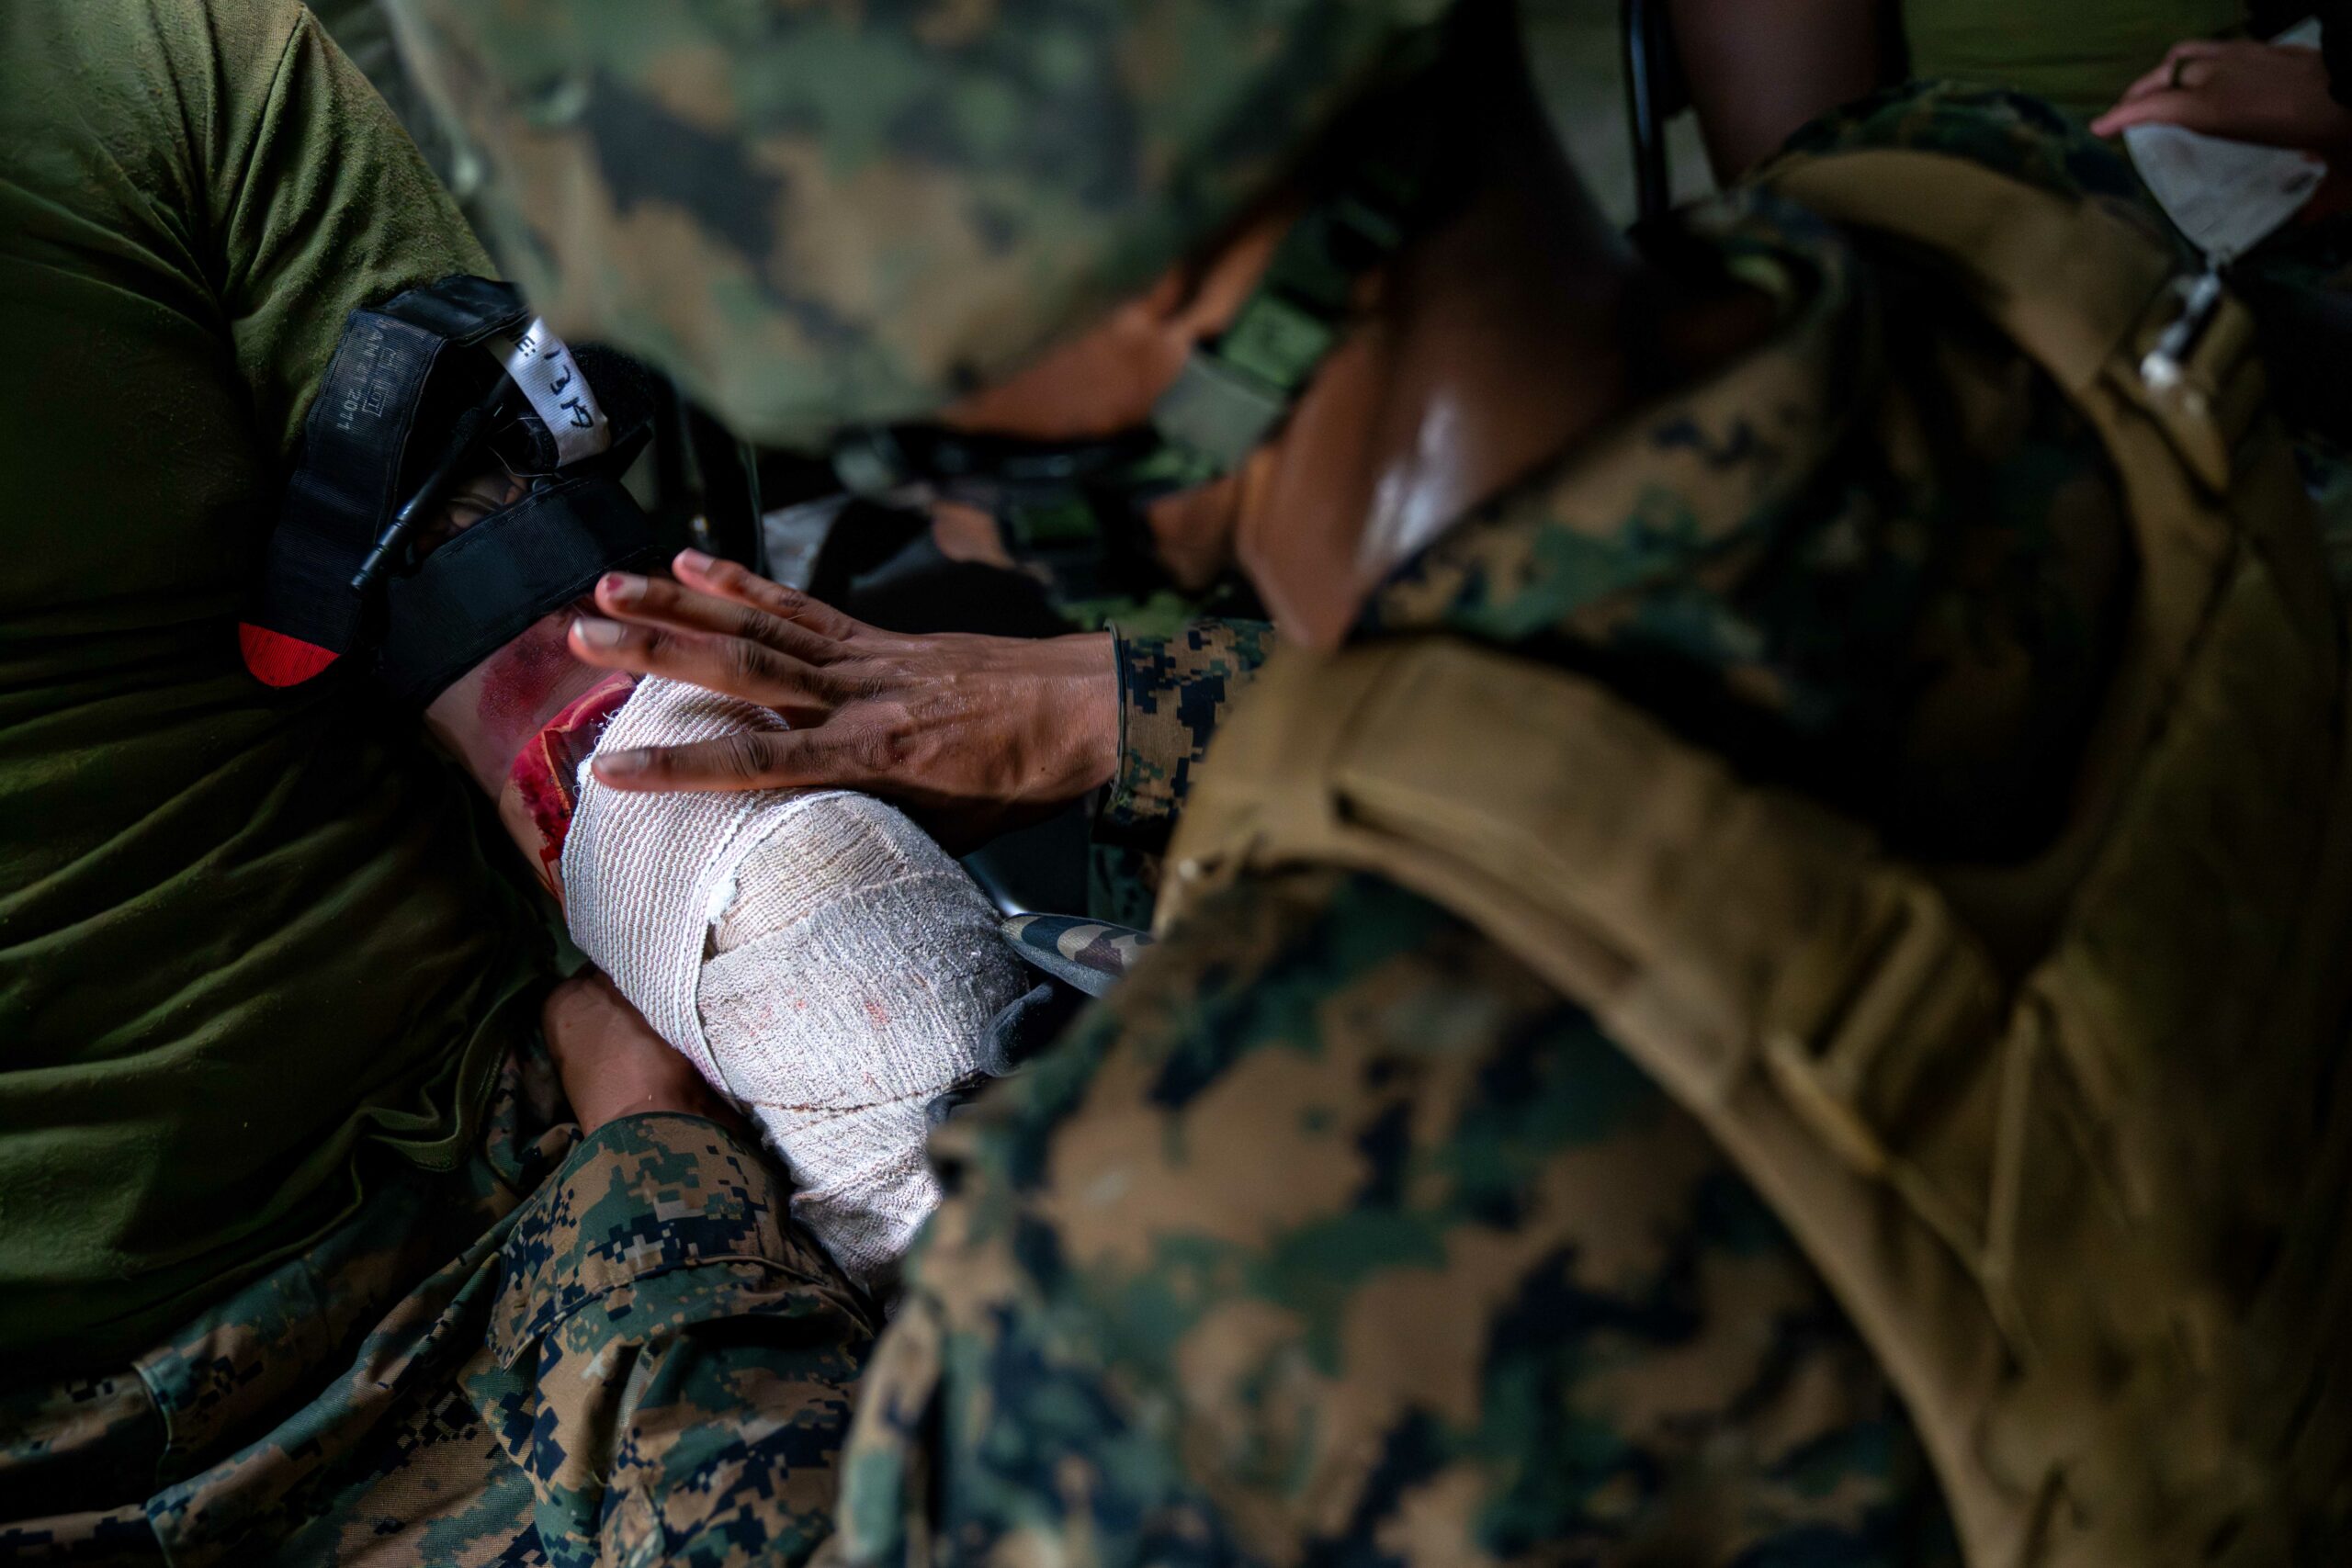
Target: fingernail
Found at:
694, 560
597, 634
620, 585
620, 764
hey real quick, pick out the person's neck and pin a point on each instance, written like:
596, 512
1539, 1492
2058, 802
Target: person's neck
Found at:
1521, 325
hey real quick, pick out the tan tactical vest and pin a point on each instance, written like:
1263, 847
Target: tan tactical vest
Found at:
2067, 1139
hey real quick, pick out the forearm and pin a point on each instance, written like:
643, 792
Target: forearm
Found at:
1759, 69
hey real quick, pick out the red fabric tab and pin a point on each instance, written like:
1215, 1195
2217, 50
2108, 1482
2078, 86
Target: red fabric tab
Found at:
277, 660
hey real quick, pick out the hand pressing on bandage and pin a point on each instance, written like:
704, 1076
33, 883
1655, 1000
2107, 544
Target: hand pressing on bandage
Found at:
811, 958
972, 734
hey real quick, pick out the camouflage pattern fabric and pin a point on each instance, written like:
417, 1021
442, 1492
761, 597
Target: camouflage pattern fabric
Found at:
1335, 1236
2011, 132
608, 1350
815, 215
1173, 692
1090, 955
1332, 1233
1174, 688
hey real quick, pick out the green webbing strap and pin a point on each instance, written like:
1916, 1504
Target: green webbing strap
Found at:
1230, 394
1233, 391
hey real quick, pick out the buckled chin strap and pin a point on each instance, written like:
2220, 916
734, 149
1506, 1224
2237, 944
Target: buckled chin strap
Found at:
1237, 388
1070, 505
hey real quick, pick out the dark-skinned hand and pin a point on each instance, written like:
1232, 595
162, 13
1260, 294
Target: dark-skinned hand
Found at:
972, 735
2242, 90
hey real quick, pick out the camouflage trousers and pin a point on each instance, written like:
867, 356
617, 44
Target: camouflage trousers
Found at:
607, 1349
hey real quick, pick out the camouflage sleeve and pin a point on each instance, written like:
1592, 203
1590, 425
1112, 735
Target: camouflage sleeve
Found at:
1334, 1235
674, 1363
2010, 133
1173, 692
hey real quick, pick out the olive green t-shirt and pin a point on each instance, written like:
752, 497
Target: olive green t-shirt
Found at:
2079, 54
251, 950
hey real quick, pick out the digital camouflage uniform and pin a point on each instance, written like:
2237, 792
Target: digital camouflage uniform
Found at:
1332, 1232
1173, 691
571, 1351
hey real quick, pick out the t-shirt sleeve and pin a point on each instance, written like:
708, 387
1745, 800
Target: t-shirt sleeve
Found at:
211, 895
323, 204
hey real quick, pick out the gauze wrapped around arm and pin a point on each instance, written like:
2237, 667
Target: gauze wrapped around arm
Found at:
817, 956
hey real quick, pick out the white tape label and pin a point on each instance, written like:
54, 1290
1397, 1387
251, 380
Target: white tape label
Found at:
542, 366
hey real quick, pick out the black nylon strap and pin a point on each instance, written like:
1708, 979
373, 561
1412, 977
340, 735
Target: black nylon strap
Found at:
354, 440
483, 587
465, 310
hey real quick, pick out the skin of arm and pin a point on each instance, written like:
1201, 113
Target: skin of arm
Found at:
613, 1065
1758, 69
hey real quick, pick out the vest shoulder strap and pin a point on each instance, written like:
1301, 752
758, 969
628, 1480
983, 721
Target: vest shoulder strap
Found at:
1720, 902
1754, 953
2080, 286
2163, 366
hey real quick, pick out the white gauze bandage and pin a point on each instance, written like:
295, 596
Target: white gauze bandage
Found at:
815, 956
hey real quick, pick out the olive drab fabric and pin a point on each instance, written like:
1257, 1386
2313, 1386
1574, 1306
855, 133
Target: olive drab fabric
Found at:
210, 898
2079, 56
2057, 1132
